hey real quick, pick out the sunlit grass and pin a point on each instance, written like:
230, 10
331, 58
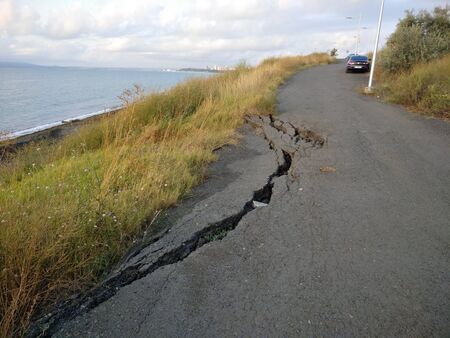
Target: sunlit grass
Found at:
424, 89
69, 210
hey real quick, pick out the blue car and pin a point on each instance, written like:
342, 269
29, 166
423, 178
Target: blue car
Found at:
349, 56
358, 63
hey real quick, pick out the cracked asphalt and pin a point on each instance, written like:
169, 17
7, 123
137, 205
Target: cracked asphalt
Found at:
354, 241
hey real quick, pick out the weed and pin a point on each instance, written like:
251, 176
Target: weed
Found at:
424, 89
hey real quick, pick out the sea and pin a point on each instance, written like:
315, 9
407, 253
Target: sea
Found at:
34, 98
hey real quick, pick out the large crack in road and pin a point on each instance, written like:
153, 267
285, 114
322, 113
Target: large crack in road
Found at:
285, 139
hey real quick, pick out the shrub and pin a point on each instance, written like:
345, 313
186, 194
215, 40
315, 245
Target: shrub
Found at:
425, 88
417, 39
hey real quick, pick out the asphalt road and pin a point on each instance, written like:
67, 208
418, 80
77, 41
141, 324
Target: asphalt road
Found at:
354, 239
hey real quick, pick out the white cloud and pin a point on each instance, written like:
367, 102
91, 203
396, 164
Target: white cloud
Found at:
6, 14
176, 33
69, 22
17, 19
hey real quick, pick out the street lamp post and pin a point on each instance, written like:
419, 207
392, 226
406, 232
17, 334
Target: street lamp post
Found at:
358, 39
358, 36
374, 58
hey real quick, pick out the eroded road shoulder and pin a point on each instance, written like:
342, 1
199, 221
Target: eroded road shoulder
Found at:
271, 146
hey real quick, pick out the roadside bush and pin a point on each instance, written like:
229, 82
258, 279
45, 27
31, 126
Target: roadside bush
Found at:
418, 38
425, 88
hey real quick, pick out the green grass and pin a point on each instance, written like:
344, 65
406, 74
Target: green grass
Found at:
424, 89
69, 210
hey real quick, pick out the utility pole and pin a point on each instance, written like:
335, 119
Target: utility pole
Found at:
359, 31
358, 39
374, 59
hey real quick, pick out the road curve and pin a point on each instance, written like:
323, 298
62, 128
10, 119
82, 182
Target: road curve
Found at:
350, 238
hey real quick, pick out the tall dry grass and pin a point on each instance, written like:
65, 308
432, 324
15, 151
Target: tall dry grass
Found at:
69, 210
424, 89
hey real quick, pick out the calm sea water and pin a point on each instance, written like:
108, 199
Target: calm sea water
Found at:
33, 97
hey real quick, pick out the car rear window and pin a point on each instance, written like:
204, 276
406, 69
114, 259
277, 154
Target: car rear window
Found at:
359, 58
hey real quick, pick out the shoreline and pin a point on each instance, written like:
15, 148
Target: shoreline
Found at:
11, 142
15, 136
42, 128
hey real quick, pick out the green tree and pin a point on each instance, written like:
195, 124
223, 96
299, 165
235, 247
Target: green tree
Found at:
418, 38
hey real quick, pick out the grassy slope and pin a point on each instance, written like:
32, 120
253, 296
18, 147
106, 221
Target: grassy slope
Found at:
424, 89
69, 210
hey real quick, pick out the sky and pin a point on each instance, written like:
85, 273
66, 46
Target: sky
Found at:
184, 33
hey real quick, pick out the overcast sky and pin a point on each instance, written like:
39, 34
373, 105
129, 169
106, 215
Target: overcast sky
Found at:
178, 33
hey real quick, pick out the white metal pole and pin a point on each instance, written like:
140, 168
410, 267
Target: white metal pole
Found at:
359, 34
374, 58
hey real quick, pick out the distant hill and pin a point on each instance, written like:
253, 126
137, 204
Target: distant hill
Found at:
17, 64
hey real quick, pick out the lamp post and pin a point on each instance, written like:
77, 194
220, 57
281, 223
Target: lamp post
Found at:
364, 28
374, 58
358, 37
